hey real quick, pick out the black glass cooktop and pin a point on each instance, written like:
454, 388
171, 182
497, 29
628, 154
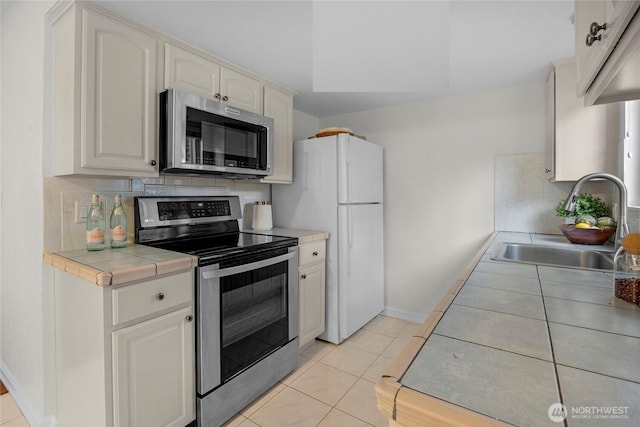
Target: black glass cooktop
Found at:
213, 248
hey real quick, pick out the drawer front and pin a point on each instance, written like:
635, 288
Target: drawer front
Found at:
142, 299
312, 252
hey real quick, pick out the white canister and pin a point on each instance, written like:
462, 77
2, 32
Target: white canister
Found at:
262, 216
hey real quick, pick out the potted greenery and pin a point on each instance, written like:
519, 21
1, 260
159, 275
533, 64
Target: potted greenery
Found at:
592, 224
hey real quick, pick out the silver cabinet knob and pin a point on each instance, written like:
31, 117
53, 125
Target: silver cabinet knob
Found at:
189, 318
304, 276
592, 39
595, 28
315, 253
153, 162
217, 95
225, 98
160, 296
547, 170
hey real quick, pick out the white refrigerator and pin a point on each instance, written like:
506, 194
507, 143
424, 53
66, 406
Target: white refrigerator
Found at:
337, 187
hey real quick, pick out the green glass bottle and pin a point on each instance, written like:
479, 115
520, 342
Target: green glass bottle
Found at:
118, 225
95, 225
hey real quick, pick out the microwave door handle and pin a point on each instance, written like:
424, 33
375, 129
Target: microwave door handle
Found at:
213, 274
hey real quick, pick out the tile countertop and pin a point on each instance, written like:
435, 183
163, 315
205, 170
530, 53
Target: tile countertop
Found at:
138, 262
511, 339
117, 266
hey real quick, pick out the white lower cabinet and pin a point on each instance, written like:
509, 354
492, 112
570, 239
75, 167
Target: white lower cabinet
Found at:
124, 356
153, 371
311, 281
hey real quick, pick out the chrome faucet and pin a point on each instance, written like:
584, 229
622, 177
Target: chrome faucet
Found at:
623, 228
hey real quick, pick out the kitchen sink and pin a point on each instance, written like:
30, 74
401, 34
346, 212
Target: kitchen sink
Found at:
556, 256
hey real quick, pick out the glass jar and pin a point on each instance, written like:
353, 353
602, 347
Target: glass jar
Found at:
626, 276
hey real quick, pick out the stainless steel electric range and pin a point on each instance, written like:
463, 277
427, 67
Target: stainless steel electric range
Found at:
246, 289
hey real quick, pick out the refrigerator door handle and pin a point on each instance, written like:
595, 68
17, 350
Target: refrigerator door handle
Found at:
349, 240
305, 161
348, 166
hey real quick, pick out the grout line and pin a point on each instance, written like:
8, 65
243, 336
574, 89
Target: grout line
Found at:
553, 354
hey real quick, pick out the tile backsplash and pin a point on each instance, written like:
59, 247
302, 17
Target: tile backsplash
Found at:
525, 200
64, 232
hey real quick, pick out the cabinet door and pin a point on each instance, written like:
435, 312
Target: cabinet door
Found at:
312, 284
190, 72
616, 14
588, 58
279, 106
153, 372
585, 139
240, 90
550, 159
118, 96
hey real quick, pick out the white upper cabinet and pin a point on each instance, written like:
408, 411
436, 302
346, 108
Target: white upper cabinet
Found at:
104, 96
580, 140
607, 40
192, 73
240, 90
107, 74
278, 105
197, 74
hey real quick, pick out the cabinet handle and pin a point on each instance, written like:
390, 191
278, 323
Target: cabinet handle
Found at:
595, 28
592, 39
189, 318
152, 162
304, 276
217, 95
159, 296
315, 253
225, 98
547, 170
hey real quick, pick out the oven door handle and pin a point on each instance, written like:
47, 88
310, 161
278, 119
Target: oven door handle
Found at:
213, 274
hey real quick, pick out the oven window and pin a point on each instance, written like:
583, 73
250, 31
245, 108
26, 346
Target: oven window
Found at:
254, 318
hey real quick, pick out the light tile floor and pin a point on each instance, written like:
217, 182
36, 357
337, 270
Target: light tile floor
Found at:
333, 385
10, 415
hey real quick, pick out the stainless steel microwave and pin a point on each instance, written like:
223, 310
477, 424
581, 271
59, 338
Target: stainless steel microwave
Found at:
203, 136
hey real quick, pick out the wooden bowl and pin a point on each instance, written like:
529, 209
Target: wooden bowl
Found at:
587, 236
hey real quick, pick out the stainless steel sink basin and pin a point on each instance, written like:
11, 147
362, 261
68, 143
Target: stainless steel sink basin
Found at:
556, 256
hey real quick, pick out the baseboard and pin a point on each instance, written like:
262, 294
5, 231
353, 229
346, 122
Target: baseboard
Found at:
404, 315
24, 403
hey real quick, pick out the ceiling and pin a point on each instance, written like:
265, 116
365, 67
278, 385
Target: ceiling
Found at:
347, 56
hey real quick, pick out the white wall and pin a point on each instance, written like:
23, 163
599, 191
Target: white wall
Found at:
24, 302
439, 182
304, 125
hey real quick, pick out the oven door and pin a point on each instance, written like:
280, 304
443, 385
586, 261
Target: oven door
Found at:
246, 310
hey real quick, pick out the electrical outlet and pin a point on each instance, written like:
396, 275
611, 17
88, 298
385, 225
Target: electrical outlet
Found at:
81, 208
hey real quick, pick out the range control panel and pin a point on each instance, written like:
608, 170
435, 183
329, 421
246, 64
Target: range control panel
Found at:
194, 209
178, 210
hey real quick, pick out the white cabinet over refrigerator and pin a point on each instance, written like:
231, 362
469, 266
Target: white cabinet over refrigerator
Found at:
337, 187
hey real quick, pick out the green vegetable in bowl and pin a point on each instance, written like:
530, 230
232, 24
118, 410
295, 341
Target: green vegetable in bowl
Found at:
587, 219
605, 221
586, 204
